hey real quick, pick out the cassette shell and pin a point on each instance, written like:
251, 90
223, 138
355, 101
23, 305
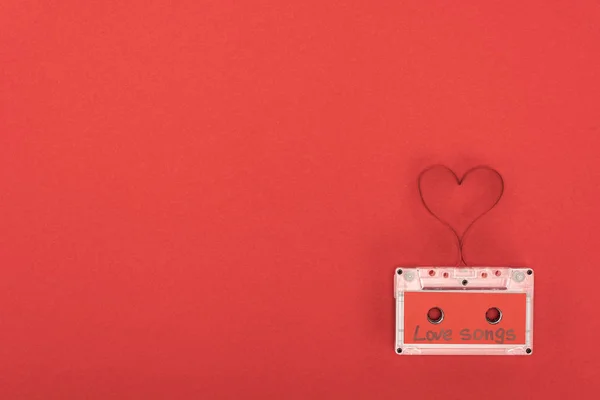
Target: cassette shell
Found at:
464, 311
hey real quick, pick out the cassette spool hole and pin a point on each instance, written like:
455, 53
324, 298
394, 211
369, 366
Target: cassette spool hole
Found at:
435, 315
493, 315
431, 272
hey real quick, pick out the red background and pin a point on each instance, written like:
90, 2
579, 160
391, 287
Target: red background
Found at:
207, 199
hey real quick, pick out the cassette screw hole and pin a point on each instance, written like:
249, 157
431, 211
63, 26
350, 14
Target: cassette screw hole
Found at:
431, 272
497, 273
484, 274
435, 315
464, 282
528, 351
529, 272
398, 350
399, 272
493, 315
445, 274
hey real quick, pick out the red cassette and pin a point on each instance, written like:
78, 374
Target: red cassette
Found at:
452, 310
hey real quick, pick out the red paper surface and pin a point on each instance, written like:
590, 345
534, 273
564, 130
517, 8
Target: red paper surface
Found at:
207, 199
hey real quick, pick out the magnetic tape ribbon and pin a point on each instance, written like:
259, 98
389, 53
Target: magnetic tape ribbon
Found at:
459, 180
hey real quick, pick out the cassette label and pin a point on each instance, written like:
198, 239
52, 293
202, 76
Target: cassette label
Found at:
476, 310
464, 318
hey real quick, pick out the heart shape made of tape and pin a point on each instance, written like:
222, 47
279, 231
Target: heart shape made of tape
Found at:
458, 202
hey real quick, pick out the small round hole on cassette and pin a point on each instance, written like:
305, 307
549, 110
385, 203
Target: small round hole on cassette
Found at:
464, 311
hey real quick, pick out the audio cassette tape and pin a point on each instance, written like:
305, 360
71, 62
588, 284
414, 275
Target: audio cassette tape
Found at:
464, 310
